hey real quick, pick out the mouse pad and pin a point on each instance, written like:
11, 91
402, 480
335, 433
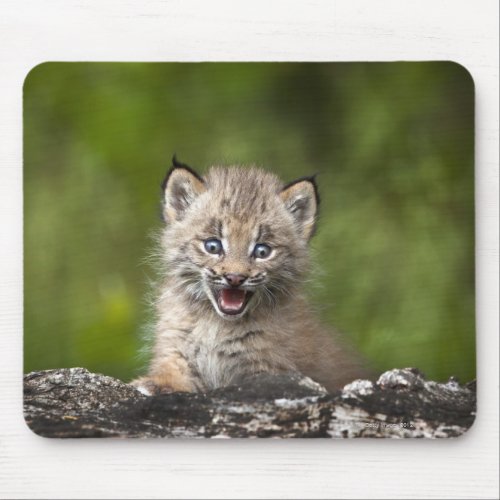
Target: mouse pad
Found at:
217, 250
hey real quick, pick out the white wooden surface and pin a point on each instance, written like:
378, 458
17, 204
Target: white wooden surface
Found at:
33, 31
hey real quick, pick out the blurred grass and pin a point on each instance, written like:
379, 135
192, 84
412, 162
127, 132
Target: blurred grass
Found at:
393, 146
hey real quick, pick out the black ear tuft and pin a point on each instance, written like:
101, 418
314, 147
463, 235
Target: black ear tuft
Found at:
177, 164
181, 186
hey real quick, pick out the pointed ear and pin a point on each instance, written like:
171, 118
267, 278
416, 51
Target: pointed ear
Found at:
181, 187
301, 200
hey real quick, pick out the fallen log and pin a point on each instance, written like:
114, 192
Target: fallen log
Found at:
73, 402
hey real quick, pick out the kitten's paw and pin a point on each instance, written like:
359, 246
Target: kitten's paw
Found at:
149, 387
144, 389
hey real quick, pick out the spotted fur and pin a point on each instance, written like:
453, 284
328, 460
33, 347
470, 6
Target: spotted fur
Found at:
198, 346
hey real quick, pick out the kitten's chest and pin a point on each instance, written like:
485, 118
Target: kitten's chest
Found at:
206, 361
223, 356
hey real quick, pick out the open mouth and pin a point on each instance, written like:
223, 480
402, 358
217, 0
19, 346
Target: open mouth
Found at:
232, 300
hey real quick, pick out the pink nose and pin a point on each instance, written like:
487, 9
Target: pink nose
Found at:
235, 279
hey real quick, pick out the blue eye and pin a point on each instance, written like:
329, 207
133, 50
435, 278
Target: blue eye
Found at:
262, 251
213, 246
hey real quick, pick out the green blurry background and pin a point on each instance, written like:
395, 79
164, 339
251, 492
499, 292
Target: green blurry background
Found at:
392, 144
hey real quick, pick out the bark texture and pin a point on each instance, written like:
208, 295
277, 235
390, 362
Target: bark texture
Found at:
73, 402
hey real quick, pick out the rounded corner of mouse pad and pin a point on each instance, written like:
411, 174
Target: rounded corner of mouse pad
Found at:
227, 250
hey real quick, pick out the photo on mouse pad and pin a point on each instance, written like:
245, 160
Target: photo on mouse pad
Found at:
217, 250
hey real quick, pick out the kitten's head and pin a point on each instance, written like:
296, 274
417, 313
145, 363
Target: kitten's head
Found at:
236, 239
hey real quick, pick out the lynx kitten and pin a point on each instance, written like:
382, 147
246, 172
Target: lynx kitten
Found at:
235, 247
